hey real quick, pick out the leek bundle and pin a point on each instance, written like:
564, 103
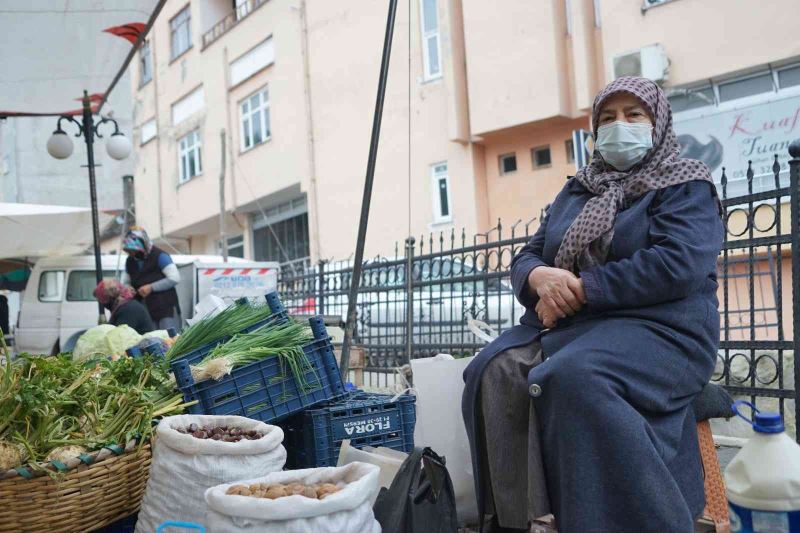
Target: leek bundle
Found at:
273, 340
229, 321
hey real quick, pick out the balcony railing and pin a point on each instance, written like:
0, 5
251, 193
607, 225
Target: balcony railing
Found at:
231, 19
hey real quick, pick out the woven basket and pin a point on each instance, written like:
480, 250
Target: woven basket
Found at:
95, 491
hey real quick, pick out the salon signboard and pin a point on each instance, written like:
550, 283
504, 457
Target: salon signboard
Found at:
731, 138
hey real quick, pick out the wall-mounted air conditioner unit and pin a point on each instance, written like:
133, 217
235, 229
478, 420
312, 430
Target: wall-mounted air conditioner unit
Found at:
648, 62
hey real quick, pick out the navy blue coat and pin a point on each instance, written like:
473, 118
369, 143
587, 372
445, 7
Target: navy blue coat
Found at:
649, 331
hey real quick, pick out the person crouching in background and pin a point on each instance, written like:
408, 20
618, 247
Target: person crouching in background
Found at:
125, 309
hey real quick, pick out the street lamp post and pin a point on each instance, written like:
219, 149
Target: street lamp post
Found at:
118, 147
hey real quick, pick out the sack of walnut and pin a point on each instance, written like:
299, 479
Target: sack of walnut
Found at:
192, 453
347, 509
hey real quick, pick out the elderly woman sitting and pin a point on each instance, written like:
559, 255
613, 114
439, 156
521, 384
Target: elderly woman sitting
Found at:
583, 410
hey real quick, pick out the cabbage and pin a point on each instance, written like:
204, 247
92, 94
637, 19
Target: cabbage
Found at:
120, 339
92, 342
157, 334
105, 340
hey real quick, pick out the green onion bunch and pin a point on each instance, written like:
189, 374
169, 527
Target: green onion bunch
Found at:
284, 341
229, 321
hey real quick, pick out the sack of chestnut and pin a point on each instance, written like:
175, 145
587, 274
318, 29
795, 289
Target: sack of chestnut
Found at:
313, 500
192, 453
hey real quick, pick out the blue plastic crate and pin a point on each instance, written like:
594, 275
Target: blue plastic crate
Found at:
267, 390
313, 438
278, 316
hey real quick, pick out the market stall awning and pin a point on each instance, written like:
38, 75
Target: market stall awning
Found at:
53, 50
31, 230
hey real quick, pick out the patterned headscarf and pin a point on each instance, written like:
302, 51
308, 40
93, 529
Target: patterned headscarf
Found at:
137, 240
111, 293
588, 239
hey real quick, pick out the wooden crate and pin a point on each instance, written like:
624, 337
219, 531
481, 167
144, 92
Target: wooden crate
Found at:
358, 360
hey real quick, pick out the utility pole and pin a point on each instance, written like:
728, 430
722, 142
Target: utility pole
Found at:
222, 238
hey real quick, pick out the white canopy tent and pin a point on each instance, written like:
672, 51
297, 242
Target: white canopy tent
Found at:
53, 50
31, 230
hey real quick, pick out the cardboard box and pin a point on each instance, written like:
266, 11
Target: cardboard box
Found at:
357, 356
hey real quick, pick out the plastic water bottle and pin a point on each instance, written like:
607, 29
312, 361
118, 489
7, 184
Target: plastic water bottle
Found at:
763, 480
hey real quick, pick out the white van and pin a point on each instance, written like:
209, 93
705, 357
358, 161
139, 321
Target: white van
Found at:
58, 303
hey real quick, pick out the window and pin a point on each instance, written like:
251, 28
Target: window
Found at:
508, 163
568, 12
81, 284
284, 241
190, 160
148, 131
762, 83
255, 119
145, 64
431, 51
691, 99
236, 246
789, 77
569, 147
51, 285
541, 157
442, 209
181, 29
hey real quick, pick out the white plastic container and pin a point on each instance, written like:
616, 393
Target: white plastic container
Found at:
763, 480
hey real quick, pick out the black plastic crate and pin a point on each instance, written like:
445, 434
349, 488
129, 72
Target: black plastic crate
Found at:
313, 438
267, 390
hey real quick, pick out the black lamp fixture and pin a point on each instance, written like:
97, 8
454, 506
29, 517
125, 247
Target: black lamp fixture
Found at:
118, 147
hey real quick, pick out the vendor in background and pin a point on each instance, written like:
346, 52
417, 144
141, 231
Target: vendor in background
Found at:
152, 273
125, 309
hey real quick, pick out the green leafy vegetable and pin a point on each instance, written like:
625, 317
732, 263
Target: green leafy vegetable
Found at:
57, 403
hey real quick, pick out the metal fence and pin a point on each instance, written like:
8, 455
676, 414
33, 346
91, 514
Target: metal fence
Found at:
455, 279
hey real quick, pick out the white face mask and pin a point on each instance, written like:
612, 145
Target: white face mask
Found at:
623, 144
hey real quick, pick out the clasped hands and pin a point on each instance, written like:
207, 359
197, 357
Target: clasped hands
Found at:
560, 292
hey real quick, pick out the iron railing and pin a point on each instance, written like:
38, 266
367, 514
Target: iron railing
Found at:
230, 20
455, 279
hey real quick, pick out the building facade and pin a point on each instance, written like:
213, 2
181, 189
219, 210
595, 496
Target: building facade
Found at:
262, 110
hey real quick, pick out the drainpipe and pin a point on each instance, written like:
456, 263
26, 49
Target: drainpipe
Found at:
313, 192
223, 240
229, 120
159, 133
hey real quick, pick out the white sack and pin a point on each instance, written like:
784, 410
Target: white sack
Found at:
183, 467
349, 510
440, 425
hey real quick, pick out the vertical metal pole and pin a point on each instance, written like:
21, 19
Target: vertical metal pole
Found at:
88, 136
129, 203
409, 299
365, 201
321, 286
223, 239
794, 188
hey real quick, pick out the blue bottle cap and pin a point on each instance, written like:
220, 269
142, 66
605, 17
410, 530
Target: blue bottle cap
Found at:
768, 423
762, 422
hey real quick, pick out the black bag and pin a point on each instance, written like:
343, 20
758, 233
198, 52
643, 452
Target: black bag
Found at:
420, 500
